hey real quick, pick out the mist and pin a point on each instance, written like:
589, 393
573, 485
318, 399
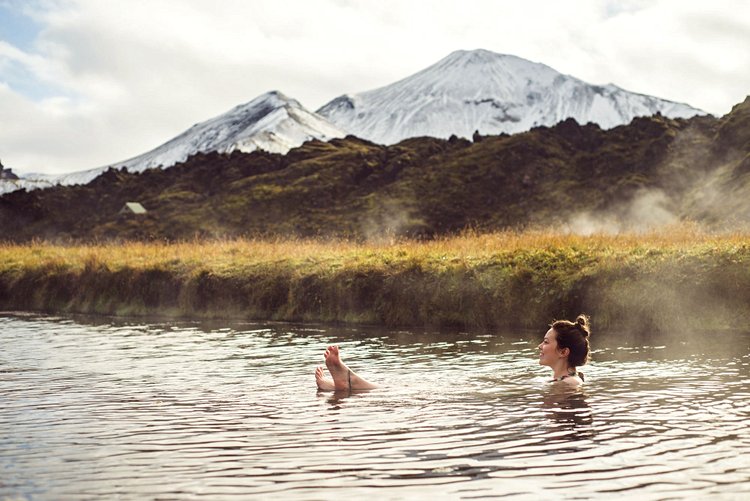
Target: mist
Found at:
649, 209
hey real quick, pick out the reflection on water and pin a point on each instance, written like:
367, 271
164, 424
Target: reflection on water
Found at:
161, 410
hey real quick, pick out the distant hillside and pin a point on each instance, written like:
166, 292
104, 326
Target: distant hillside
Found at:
655, 170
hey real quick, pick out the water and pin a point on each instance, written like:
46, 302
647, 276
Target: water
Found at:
103, 410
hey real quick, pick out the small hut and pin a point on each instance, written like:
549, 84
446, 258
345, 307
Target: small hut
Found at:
132, 209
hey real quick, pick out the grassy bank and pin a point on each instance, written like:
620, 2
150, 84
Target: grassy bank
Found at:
665, 281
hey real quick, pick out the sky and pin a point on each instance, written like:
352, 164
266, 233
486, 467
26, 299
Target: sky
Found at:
87, 83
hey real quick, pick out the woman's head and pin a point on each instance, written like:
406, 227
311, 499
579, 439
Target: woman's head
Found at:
575, 337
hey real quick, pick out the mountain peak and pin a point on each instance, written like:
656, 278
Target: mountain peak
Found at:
276, 97
480, 90
253, 111
481, 56
474, 56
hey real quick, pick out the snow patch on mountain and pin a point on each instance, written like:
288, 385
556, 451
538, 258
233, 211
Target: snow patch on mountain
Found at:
489, 92
9, 185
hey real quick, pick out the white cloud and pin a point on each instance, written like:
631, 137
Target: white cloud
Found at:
115, 78
693, 52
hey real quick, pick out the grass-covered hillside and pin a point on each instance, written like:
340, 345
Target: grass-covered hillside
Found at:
572, 177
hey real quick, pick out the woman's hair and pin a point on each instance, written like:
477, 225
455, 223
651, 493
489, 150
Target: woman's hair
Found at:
575, 337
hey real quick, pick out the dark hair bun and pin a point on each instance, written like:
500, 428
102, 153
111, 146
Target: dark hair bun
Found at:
583, 323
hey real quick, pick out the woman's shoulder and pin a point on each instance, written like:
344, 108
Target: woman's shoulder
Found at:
569, 380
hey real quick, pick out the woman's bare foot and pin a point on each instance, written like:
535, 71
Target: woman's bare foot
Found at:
339, 371
323, 382
343, 377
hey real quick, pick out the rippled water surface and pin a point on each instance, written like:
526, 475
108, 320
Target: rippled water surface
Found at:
94, 409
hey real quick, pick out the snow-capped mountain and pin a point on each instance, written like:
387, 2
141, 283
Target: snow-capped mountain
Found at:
489, 92
465, 92
272, 122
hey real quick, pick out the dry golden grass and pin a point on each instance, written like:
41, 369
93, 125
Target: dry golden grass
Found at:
468, 280
222, 256
509, 240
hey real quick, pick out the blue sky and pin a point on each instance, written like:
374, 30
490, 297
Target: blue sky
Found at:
16, 27
21, 31
85, 83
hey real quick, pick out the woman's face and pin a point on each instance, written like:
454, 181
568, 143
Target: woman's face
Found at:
548, 352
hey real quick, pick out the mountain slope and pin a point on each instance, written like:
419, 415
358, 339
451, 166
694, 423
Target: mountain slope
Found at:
272, 122
489, 92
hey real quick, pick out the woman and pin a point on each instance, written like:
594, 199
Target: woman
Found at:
565, 347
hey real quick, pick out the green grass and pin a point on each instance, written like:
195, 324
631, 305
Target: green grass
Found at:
681, 278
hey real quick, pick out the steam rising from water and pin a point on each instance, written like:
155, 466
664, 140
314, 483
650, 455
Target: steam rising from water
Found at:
387, 223
649, 209
693, 182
